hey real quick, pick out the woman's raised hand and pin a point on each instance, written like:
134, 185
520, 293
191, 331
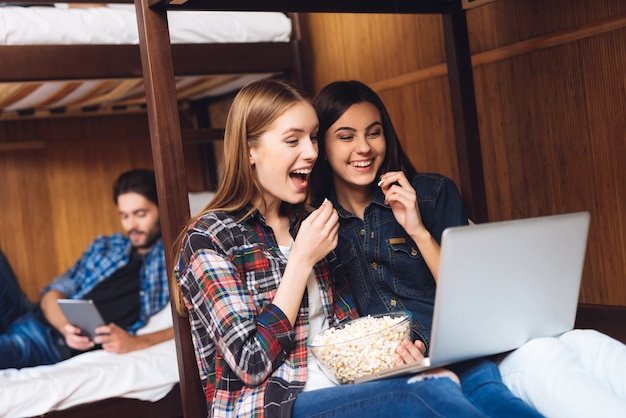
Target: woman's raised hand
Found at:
400, 195
316, 238
318, 233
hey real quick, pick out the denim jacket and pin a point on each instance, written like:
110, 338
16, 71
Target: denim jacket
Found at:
385, 267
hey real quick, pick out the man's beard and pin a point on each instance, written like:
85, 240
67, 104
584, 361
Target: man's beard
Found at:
148, 242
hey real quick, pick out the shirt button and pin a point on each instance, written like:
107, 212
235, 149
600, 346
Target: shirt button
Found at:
413, 251
393, 302
374, 265
362, 232
371, 235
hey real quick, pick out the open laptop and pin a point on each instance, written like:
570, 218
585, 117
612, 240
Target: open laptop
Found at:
501, 284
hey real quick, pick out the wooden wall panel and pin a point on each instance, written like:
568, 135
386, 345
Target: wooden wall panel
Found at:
550, 89
25, 233
506, 22
561, 152
362, 46
393, 46
429, 141
57, 197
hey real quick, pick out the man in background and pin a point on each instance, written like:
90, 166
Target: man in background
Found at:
124, 275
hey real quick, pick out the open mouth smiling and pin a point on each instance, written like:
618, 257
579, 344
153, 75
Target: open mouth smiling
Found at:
303, 173
300, 176
361, 164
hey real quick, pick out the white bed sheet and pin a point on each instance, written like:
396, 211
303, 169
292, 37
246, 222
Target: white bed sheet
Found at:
117, 24
147, 374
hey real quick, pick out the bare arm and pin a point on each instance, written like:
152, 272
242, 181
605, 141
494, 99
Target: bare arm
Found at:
117, 340
57, 319
52, 311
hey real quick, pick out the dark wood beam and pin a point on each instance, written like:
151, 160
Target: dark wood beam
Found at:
78, 62
462, 97
169, 167
314, 6
608, 319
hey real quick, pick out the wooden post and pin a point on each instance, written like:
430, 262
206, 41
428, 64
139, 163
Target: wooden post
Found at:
461, 79
169, 167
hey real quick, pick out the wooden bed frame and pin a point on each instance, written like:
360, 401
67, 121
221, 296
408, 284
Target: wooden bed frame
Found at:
158, 64
80, 62
610, 320
158, 69
168, 407
166, 137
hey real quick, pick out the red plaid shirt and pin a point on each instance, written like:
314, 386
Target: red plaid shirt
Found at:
252, 362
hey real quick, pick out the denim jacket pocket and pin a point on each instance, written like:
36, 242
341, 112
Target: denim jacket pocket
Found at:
410, 274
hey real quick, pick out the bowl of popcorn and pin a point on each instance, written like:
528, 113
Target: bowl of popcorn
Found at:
362, 346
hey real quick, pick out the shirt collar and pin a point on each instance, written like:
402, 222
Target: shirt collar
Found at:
377, 199
294, 212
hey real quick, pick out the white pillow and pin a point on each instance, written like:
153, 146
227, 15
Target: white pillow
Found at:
157, 322
198, 200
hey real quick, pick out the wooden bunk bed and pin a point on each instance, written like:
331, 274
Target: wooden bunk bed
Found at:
158, 70
166, 137
160, 61
76, 63
87, 58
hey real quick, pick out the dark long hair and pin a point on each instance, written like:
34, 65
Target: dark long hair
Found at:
330, 104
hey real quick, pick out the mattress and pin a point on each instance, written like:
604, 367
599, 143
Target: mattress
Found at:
116, 24
147, 374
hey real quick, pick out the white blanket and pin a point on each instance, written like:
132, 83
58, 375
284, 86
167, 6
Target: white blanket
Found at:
147, 374
117, 24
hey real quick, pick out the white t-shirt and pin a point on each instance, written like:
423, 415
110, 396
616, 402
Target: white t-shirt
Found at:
317, 322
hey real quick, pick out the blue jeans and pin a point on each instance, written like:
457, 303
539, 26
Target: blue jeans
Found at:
25, 340
404, 397
482, 384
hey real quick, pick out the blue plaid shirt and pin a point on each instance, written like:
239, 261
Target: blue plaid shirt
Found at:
103, 257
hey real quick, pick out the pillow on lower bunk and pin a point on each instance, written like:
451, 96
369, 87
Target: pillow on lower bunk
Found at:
198, 200
158, 322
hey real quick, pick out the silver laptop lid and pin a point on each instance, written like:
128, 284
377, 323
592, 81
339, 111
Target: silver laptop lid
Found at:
503, 283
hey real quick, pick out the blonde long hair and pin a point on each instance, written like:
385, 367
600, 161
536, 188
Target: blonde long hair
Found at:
253, 111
